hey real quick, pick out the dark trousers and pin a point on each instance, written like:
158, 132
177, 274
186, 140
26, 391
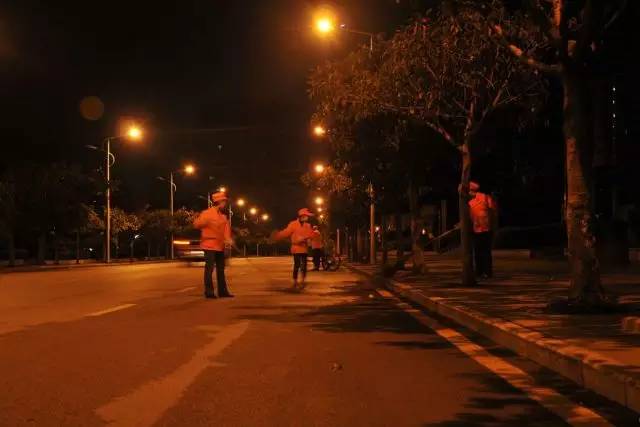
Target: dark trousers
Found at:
299, 264
214, 259
318, 255
482, 254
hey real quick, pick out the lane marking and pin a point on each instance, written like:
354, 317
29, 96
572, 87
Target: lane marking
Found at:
180, 291
146, 405
570, 412
110, 310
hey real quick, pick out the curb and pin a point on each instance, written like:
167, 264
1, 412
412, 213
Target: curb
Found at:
593, 371
64, 267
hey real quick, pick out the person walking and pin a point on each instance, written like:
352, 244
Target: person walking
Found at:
483, 211
317, 248
300, 232
215, 235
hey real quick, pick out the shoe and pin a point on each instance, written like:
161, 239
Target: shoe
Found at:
210, 296
226, 295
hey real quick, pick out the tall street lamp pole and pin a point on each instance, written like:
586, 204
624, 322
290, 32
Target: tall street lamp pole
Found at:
187, 170
372, 225
133, 133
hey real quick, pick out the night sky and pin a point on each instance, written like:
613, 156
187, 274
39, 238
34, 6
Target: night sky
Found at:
177, 66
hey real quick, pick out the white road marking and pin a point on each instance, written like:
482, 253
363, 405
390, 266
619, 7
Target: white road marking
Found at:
190, 288
146, 405
110, 310
572, 413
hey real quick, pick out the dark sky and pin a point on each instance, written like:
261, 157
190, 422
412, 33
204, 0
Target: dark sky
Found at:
183, 65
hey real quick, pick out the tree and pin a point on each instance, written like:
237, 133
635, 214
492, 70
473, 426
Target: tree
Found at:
443, 71
155, 226
575, 32
122, 223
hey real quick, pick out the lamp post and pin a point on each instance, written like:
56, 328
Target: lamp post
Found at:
326, 24
187, 170
134, 133
372, 226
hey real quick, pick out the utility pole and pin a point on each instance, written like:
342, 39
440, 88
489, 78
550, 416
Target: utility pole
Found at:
372, 225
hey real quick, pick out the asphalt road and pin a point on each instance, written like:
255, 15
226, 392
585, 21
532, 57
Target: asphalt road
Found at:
139, 346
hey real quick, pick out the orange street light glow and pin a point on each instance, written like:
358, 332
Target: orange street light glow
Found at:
181, 242
319, 209
134, 133
222, 189
319, 168
253, 211
319, 131
241, 202
324, 25
265, 217
319, 201
189, 169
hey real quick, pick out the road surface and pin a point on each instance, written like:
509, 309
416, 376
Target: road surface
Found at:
139, 346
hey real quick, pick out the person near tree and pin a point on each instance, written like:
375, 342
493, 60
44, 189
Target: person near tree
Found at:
483, 210
317, 248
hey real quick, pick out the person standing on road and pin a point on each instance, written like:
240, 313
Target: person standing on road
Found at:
300, 232
483, 212
317, 248
215, 232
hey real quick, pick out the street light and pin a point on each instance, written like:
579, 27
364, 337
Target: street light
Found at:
265, 217
319, 131
188, 169
325, 24
133, 133
319, 209
253, 211
319, 168
222, 189
319, 201
240, 202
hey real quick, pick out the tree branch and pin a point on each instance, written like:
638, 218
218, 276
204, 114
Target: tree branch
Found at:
519, 53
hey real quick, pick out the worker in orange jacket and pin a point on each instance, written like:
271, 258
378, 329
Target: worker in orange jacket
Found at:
483, 211
317, 247
215, 235
300, 232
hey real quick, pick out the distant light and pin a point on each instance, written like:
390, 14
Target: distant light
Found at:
377, 228
90, 249
240, 202
189, 169
321, 216
137, 236
319, 168
265, 217
319, 131
319, 209
253, 211
319, 201
424, 231
181, 242
222, 189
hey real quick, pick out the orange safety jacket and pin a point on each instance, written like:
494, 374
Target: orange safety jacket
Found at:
299, 233
317, 241
483, 210
215, 230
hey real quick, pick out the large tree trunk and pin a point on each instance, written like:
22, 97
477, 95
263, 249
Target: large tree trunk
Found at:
42, 249
585, 289
11, 243
466, 249
417, 253
77, 247
383, 239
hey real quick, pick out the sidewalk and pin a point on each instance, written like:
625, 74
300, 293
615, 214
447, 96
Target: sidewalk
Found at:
595, 351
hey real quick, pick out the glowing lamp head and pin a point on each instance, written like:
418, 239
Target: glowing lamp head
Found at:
319, 131
134, 133
189, 169
319, 201
222, 189
324, 25
319, 168
253, 211
241, 202
265, 217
